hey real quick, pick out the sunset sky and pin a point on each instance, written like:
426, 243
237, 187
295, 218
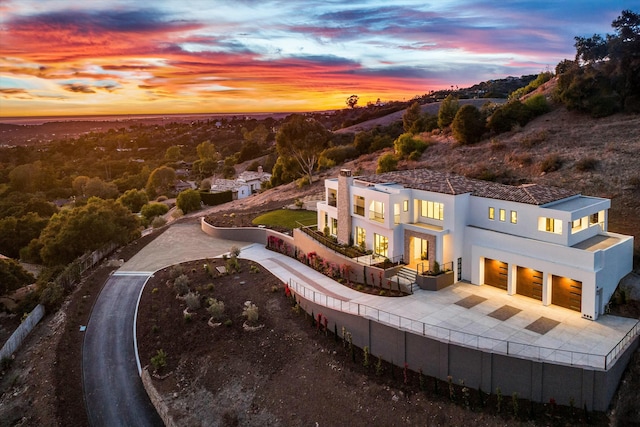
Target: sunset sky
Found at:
63, 57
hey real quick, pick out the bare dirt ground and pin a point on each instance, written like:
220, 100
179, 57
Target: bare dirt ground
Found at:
291, 372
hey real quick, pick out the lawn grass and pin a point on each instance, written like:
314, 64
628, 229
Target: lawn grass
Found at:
286, 218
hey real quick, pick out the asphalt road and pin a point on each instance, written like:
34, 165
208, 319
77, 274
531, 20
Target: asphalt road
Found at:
113, 390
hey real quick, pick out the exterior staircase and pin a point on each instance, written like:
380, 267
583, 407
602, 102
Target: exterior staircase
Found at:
406, 277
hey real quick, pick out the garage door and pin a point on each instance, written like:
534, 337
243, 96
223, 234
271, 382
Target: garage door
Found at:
529, 283
495, 273
566, 293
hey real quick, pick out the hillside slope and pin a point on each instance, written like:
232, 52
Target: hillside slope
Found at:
427, 108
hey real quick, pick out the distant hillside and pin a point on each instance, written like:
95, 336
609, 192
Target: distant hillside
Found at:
431, 108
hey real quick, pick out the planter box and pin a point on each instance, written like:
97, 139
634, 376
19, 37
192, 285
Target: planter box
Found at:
435, 283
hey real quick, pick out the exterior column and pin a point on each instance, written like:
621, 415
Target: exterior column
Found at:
344, 206
546, 288
512, 274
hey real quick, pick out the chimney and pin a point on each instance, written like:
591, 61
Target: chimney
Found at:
259, 169
344, 206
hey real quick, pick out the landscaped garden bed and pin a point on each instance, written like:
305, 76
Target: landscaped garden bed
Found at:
293, 370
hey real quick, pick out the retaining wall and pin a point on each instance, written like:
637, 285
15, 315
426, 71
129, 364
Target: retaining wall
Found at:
156, 399
535, 380
21, 332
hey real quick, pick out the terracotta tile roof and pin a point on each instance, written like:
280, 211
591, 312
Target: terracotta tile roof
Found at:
448, 183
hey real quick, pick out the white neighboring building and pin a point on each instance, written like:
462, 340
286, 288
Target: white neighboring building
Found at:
247, 183
254, 179
546, 243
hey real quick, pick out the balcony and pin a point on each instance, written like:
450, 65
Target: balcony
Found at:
376, 216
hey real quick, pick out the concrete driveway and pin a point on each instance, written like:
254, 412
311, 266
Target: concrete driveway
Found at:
113, 390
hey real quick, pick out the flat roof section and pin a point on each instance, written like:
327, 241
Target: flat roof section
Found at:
599, 242
577, 203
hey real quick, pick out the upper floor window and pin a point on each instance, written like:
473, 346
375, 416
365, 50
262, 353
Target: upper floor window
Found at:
514, 217
503, 215
376, 211
405, 206
492, 214
358, 205
332, 198
432, 210
550, 225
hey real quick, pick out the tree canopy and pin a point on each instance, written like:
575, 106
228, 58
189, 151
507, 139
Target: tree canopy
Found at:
161, 181
447, 112
188, 201
468, 125
303, 140
72, 232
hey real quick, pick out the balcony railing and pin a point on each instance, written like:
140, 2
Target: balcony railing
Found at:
376, 216
358, 210
332, 202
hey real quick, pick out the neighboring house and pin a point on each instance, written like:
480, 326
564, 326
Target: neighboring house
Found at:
247, 183
239, 190
546, 243
254, 179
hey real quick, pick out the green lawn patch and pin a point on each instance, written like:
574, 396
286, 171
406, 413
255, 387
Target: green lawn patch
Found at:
287, 218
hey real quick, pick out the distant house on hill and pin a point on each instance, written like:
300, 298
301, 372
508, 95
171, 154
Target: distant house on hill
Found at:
247, 183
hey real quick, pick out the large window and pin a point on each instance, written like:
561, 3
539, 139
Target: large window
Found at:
396, 213
332, 198
361, 235
334, 227
376, 211
380, 245
433, 210
358, 205
550, 225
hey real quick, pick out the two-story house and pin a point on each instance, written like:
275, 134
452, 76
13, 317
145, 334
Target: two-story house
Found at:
545, 243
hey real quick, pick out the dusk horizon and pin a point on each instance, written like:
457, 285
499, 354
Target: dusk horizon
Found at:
117, 58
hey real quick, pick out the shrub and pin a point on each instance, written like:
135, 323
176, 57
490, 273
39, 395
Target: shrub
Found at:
234, 251
538, 105
159, 361
181, 284
176, 271
188, 201
387, 163
586, 164
250, 311
193, 300
177, 214
216, 308
158, 222
52, 296
406, 144
152, 210
551, 163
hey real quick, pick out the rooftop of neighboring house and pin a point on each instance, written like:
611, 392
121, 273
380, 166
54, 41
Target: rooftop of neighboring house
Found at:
449, 183
219, 184
258, 175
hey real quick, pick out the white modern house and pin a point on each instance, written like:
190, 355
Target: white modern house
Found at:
546, 243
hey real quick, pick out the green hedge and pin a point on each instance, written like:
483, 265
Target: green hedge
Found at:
213, 199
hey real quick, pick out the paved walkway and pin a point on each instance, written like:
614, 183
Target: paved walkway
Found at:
476, 316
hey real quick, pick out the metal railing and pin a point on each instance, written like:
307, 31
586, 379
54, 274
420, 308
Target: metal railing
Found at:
465, 339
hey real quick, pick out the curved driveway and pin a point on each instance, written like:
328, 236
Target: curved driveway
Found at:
113, 390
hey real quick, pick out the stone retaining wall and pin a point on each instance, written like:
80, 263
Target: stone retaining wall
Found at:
156, 399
